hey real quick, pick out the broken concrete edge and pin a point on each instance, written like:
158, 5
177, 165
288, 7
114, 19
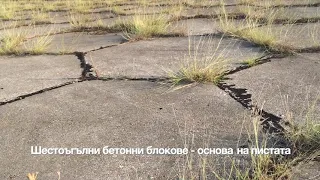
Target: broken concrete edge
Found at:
270, 122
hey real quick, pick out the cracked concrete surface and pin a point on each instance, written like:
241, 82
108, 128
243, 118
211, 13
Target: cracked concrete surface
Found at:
287, 84
159, 57
113, 113
110, 92
24, 75
84, 42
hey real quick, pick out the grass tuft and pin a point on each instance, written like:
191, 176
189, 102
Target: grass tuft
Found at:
305, 137
250, 62
201, 65
40, 17
249, 30
39, 45
197, 71
11, 41
147, 26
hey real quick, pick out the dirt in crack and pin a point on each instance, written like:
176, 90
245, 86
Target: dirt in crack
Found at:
270, 122
88, 71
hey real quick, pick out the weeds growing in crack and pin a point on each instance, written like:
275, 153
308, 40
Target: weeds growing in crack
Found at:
248, 29
304, 135
40, 17
79, 21
254, 165
15, 41
8, 10
146, 26
250, 62
118, 10
80, 6
200, 3
205, 62
39, 45
11, 41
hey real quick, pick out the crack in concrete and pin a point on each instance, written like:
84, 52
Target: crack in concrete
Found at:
126, 78
38, 92
88, 71
270, 122
258, 61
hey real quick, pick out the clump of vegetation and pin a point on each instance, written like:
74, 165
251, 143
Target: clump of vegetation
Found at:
200, 3
8, 10
81, 6
11, 41
79, 21
146, 26
118, 10
248, 29
304, 137
205, 70
39, 45
206, 66
15, 41
40, 17
250, 62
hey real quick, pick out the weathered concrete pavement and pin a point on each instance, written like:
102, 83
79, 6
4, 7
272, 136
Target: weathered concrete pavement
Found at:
50, 101
114, 114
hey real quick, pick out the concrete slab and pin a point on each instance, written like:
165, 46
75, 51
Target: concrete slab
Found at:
23, 75
82, 42
212, 11
37, 30
287, 84
309, 170
296, 36
109, 21
301, 12
159, 56
211, 3
124, 114
191, 12
199, 26
269, 3
53, 17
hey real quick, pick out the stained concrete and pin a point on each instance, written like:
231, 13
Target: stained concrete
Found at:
120, 114
24, 75
282, 85
157, 57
